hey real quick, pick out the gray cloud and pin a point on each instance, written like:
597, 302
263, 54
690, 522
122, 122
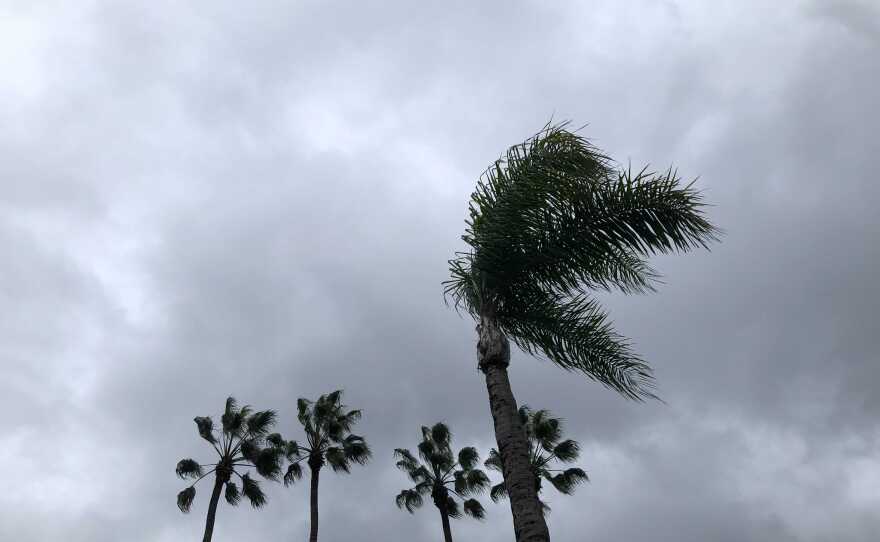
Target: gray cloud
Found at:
210, 200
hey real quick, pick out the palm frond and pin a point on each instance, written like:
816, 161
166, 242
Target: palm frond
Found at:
356, 449
452, 508
205, 426
546, 429
244, 413
185, 499
232, 495
468, 457
250, 450
291, 450
406, 462
276, 440
566, 481
268, 462
567, 450
251, 489
350, 418
440, 434
425, 486
575, 334
429, 451
473, 508
188, 468
334, 398
231, 406
337, 459
294, 473
477, 481
460, 482
302, 410
409, 499
498, 492
493, 462
470, 482
259, 423
232, 422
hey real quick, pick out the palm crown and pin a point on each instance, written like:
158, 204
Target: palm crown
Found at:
549, 222
442, 475
241, 443
546, 451
329, 440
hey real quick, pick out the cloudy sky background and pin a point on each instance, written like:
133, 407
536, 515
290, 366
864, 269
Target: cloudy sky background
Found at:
211, 198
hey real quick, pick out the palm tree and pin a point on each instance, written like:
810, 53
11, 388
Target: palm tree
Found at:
549, 222
546, 448
240, 444
327, 425
442, 476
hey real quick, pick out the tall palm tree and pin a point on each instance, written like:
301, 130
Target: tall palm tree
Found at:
546, 450
329, 441
549, 222
443, 476
241, 443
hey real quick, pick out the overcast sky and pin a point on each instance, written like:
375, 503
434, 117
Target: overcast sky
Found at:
259, 199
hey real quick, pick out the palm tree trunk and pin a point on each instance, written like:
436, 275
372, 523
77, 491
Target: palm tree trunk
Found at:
493, 351
447, 532
212, 510
313, 533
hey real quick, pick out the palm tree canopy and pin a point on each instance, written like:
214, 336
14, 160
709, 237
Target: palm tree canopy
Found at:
551, 221
547, 452
241, 442
327, 423
447, 477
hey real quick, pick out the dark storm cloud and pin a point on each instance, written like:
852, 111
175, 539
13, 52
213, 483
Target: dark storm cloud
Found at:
210, 200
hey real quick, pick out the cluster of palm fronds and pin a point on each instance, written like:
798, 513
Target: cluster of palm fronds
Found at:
550, 222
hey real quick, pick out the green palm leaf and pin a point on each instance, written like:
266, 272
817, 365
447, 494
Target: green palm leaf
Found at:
188, 468
232, 495
251, 489
409, 499
205, 426
294, 473
259, 423
474, 509
185, 499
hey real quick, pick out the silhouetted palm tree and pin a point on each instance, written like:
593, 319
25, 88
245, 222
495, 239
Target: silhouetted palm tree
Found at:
442, 476
549, 222
240, 444
327, 426
546, 449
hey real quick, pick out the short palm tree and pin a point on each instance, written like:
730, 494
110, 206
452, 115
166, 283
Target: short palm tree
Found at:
546, 450
551, 221
240, 444
327, 424
447, 478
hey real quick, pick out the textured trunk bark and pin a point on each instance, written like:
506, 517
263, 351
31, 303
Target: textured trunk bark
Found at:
494, 356
212, 510
447, 532
313, 501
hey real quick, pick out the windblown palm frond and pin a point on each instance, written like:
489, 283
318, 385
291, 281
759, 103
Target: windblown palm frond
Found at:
552, 221
547, 449
251, 489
